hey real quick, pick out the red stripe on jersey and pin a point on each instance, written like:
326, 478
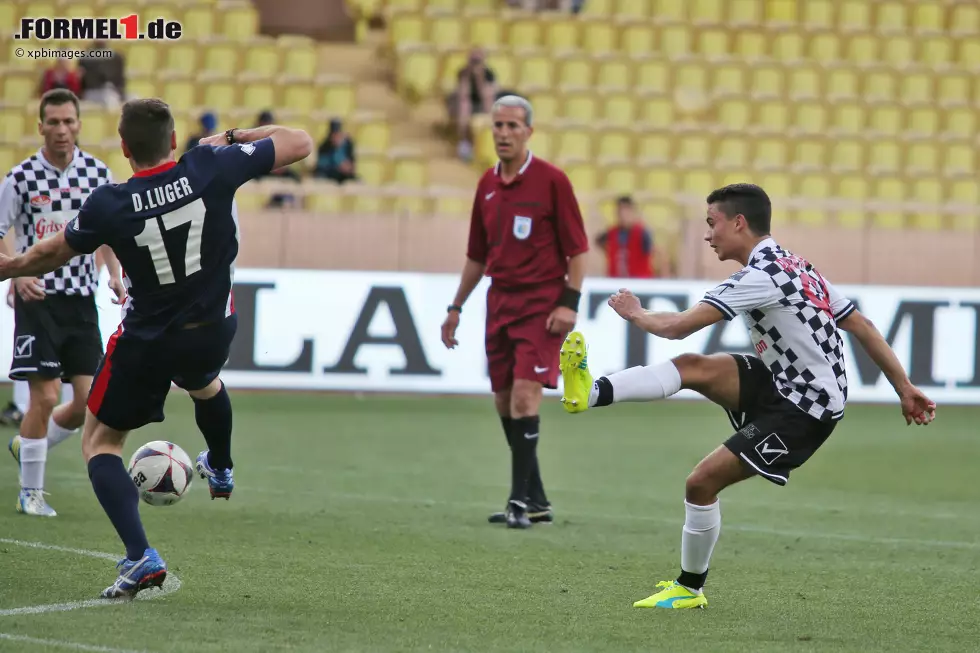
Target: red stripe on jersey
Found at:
97, 394
231, 295
149, 172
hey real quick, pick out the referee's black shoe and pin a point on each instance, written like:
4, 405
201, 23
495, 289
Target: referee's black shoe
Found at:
536, 514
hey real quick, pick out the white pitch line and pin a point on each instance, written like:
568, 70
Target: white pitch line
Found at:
60, 643
170, 585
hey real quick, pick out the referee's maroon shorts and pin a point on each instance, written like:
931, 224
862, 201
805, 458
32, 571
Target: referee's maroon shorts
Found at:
519, 346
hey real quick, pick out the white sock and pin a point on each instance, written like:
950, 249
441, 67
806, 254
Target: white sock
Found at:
33, 455
22, 395
67, 393
57, 434
702, 525
641, 383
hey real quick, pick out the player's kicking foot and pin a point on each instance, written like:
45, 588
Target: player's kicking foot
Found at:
536, 514
220, 481
14, 448
31, 502
576, 378
673, 596
148, 571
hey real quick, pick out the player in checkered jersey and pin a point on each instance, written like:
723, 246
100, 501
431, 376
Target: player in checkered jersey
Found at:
783, 404
56, 323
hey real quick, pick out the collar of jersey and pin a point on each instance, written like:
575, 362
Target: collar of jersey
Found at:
50, 166
530, 157
768, 242
149, 172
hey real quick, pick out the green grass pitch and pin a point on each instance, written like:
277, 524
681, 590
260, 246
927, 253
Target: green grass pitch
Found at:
359, 524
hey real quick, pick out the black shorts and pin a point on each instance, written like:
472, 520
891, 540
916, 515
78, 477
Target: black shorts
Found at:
774, 437
57, 337
132, 383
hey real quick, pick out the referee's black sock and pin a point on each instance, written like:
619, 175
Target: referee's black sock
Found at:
508, 424
120, 499
523, 452
535, 487
214, 419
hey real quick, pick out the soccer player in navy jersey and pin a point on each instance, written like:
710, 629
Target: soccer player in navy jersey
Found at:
174, 228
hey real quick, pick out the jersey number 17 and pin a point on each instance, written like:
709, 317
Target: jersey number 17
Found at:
152, 238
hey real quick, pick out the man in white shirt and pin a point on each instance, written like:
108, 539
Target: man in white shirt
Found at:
784, 404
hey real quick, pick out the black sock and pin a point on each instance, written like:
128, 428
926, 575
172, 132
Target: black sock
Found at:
508, 424
535, 487
691, 580
214, 419
522, 454
605, 389
120, 499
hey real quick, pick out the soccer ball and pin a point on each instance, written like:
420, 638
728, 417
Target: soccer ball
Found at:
162, 472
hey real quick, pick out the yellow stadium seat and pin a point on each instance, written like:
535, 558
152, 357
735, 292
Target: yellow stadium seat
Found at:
745, 13
935, 51
880, 86
179, 91
561, 34
751, 45
847, 156
504, 68
676, 41
199, 22
660, 181
419, 73
638, 39
923, 122
824, 48
524, 33
447, 31
536, 72
929, 192
818, 14
886, 121
404, 6
615, 145
781, 13
620, 109
777, 184
960, 124
767, 82
922, 159
772, 117
787, 47
653, 77
959, 160
8, 156
954, 89
19, 86
691, 78
323, 200
662, 11
259, 96
714, 43
373, 170
599, 37
97, 125
654, 148
657, 113
728, 80
805, 83
770, 154
898, 51
450, 66
543, 143
222, 57
891, 17
693, 151
927, 18
968, 53
575, 145
707, 12
848, 119
220, 94
964, 19
9, 16
817, 187
452, 206
575, 73
583, 177
600, 8
301, 97
447, 6
547, 107
698, 182
14, 124
239, 21
614, 74
853, 187
621, 179
917, 89
299, 58
862, 49
178, 56
854, 16
733, 153
842, 84
581, 108
262, 59
809, 154
406, 29
966, 192
810, 119
338, 96
889, 189
485, 30
410, 171
734, 116
143, 59
884, 157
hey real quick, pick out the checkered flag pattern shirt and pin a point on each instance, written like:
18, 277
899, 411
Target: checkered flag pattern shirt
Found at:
791, 312
38, 200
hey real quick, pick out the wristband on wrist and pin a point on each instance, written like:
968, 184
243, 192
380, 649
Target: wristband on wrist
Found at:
230, 136
570, 298
454, 307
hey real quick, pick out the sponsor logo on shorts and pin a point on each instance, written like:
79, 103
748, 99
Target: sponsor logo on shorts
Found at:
771, 449
49, 364
540, 370
24, 347
750, 431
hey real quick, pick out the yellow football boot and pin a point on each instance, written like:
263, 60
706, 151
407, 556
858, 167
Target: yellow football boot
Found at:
673, 596
576, 378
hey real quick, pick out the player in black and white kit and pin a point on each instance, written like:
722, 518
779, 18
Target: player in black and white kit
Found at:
56, 332
783, 403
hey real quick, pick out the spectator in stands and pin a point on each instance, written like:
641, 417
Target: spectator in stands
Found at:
103, 78
60, 75
476, 91
278, 200
335, 159
629, 246
209, 123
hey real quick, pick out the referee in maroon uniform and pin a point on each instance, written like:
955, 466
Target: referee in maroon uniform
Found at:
527, 235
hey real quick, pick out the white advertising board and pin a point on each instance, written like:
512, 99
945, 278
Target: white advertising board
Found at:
364, 331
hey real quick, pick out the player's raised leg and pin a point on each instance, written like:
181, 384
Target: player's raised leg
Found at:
142, 567
212, 410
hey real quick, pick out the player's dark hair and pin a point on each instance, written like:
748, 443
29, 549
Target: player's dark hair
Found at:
624, 200
145, 126
748, 200
57, 97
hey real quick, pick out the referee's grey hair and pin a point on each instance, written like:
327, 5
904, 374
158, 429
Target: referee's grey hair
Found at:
516, 101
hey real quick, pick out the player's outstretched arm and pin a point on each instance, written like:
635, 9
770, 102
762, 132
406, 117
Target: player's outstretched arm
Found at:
672, 326
291, 145
46, 256
916, 406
